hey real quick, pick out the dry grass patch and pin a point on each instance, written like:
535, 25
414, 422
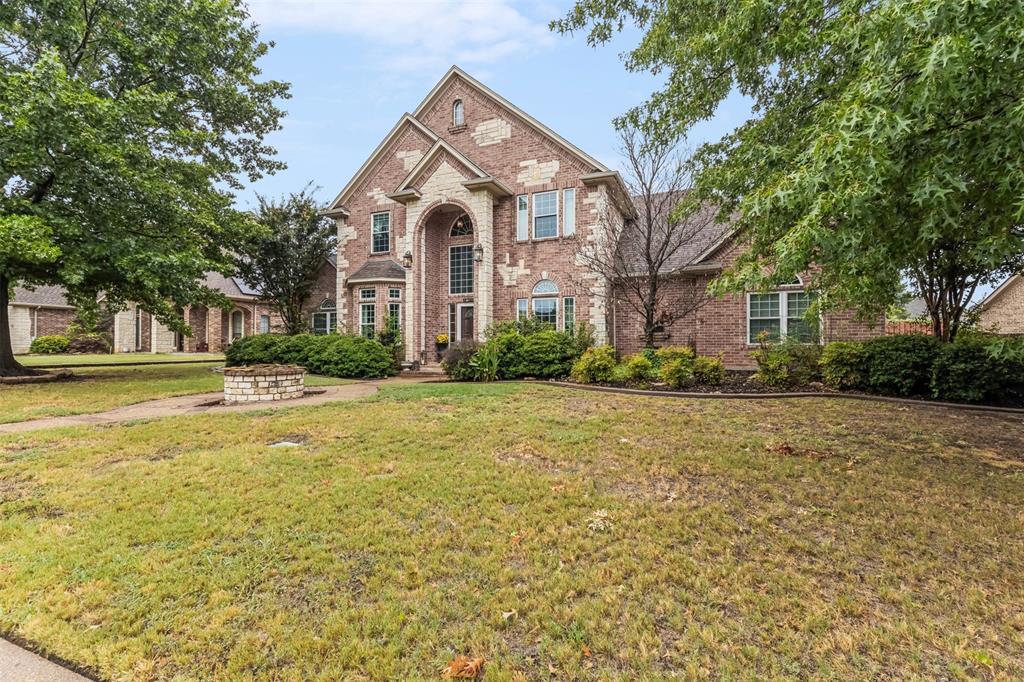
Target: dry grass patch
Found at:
553, 533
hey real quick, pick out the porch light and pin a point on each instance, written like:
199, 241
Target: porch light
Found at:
407, 259
478, 253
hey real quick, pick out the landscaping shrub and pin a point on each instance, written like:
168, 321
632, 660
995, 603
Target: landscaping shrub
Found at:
508, 347
974, 370
485, 362
546, 355
901, 365
677, 372
391, 338
787, 363
337, 355
638, 369
843, 365
456, 360
55, 343
684, 353
350, 356
256, 350
89, 342
594, 366
708, 371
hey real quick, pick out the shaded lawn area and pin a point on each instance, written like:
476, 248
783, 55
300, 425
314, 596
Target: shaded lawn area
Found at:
556, 533
112, 358
97, 389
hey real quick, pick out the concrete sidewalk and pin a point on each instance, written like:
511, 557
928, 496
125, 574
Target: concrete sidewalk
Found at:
21, 665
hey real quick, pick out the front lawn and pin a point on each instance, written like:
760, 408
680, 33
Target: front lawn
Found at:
96, 389
59, 360
556, 533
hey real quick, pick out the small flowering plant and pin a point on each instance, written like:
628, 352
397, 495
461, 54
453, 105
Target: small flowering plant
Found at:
441, 339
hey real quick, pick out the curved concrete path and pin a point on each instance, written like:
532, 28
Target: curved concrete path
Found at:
200, 403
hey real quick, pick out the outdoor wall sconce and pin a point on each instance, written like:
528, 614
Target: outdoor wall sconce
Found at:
478, 253
407, 259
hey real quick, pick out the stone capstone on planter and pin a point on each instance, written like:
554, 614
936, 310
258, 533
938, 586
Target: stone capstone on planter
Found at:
261, 383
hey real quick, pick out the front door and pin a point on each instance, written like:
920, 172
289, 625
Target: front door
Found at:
464, 325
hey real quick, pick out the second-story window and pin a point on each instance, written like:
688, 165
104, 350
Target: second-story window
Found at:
458, 113
381, 233
545, 215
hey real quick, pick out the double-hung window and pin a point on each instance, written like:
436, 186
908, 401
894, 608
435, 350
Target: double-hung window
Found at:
545, 215
546, 310
381, 233
569, 314
325, 320
780, 314
367, 319
522, 308
460, 269
395, 315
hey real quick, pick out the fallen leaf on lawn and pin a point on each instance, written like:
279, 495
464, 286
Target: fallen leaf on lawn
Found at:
586, 651
506, 615
463, 667
782, 448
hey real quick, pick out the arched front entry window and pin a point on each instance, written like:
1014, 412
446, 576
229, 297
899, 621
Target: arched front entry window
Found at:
237, 325
462, 227
325, 319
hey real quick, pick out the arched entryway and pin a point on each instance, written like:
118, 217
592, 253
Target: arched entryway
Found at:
448, 280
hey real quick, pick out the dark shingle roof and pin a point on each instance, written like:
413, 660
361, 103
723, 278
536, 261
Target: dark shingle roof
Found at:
45, 295
375, 270
701, 233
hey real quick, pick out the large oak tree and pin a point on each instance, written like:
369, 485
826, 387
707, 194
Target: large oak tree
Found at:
124, 127
886, 143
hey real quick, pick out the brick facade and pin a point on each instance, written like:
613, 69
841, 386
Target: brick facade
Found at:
1003, 310
28, 322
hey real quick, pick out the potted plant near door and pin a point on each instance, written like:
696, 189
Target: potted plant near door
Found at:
440, 345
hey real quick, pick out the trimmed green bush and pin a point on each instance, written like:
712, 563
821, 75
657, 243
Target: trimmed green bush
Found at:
684, 353
546, 355
638, 369
972, 370
89, 342
47, 345
787, 363
844, 365
336, 355
457, 360
596, 365
901, 365
708, 371
677, 372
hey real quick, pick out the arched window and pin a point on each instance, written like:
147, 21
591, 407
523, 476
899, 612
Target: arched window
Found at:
328, 304
462, 227
545, 287
458, 114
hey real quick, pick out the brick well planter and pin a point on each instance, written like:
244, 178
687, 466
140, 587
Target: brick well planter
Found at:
262, 383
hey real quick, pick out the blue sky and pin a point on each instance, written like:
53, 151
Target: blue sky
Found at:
356, 67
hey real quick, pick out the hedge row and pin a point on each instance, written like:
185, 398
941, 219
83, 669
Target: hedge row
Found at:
80, 342
973, 369
511, 354
676, 366
334, 355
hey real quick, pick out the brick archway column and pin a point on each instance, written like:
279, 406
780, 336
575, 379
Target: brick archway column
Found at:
483, 299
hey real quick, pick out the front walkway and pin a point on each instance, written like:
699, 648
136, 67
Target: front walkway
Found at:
21, 665
206, 402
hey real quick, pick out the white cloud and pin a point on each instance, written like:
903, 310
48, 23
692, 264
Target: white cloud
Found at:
417, 35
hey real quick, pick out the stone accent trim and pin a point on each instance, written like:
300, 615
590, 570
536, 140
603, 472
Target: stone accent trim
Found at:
262, 383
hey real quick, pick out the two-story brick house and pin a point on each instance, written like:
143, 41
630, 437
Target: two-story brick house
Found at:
470, 211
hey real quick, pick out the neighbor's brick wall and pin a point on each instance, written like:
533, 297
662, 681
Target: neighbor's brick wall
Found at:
1006, 313
48, 321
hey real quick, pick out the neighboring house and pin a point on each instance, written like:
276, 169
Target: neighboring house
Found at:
1003, 309
213, 329
470, 211
41, 311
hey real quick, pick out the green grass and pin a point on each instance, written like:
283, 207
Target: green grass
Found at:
97, 389
556, 533
114, 358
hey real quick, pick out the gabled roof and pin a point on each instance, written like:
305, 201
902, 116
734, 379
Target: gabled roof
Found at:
455, 71
385, 270
406, 190
364, 169
43, 296
1000, 290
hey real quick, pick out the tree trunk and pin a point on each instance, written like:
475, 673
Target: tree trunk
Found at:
9, 367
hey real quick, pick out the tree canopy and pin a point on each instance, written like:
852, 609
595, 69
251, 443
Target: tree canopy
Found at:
886, 139
124, 127
283, 260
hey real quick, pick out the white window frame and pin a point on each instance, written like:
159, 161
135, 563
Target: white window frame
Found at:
241, 326
265, 318
373, 217
458, 113
396, 306
392, 295
554, 299
523, 218
458, 319
472, 273
372, 324
522, 309
364, 297
330, 320
533, 222
565, 309
783, 295
569, 214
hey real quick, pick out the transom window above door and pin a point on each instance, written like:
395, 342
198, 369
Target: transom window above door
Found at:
462, 227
